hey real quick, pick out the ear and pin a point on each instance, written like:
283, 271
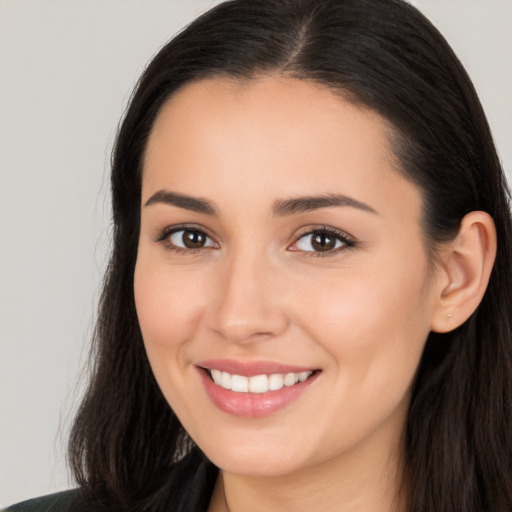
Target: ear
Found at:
464, 271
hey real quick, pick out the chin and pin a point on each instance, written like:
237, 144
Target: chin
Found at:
261, 454
256, 465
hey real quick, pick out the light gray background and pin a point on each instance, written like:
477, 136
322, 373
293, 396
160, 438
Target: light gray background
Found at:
66, 70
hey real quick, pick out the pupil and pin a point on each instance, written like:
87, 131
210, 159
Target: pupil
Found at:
323, 242
193, 239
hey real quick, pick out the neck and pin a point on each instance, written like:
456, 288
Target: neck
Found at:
366, 479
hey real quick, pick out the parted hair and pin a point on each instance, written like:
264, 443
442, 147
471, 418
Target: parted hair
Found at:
381, 55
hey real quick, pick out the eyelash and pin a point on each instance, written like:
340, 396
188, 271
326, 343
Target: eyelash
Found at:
347, 241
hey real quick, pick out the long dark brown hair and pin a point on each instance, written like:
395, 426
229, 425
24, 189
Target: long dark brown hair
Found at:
385, 56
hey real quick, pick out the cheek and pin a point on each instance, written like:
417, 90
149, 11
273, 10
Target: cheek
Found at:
374, 328
168, 304
373, 324
375, 308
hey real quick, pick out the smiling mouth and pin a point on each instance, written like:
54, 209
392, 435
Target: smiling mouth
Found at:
254, 389
257, 383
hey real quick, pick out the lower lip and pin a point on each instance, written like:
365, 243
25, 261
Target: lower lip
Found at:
253, 405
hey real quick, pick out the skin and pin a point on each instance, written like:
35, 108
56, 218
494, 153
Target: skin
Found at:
359, 314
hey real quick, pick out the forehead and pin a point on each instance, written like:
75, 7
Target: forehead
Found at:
269, 112
271, 136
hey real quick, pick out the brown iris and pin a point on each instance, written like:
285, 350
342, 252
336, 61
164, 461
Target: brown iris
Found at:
323, 242
193, 239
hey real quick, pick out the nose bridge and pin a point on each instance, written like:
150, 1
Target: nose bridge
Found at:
248, 306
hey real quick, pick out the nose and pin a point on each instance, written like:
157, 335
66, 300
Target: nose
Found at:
247, 306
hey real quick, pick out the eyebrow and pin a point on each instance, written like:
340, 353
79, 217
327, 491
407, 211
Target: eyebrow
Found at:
309, 203
281, 208
183, 201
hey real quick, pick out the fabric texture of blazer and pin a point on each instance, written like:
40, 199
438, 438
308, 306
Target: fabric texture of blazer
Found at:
188, 488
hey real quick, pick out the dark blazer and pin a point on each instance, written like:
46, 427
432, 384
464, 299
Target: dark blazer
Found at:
188, 488
66, 501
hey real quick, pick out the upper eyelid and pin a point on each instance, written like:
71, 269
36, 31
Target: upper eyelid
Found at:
305, 230
169, 230
308, 230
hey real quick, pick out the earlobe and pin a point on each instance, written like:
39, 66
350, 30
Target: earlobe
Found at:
466, 265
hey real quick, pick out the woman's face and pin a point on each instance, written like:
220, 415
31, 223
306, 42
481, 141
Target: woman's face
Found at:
278, 243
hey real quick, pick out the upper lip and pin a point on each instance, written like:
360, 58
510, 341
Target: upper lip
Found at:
252, 368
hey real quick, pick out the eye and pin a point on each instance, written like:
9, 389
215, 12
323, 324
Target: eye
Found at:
190, 239
186, 239
323, 240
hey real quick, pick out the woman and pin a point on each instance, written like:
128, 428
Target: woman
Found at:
308, 301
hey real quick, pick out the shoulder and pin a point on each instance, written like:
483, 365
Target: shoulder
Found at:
187, 487
66, 501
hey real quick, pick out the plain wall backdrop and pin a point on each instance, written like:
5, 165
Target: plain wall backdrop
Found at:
67, 68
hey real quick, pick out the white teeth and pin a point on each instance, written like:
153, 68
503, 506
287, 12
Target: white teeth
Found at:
289, 380
240, 383
216, 376
225, 381
303, 376
258, 383
275, 381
